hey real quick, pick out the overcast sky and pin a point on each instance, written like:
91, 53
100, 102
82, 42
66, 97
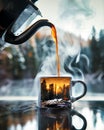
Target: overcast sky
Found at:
76, 16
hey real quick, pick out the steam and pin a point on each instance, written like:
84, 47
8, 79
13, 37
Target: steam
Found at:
69, 46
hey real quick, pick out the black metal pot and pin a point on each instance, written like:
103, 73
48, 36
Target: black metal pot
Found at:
13, 14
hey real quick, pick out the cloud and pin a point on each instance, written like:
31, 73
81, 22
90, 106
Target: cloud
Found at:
71, 8
75, 16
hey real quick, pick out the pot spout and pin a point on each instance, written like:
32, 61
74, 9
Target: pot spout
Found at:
11, 38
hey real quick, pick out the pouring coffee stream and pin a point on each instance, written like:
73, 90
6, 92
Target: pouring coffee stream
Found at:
54, 35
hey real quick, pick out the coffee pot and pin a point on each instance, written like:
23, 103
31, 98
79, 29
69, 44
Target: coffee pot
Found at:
16, 21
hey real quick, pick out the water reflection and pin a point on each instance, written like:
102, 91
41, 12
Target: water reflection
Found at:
18, 116
24, 116
22, 121
94, 114
61, 120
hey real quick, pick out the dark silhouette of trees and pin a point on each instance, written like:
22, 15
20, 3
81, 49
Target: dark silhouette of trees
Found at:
101, 49
95, 52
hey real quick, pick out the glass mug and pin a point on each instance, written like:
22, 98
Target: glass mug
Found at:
56, 92
61, 120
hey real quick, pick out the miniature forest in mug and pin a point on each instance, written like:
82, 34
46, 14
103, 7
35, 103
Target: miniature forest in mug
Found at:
55, 90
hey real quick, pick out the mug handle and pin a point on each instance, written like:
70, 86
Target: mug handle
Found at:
84, 90
74, 112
